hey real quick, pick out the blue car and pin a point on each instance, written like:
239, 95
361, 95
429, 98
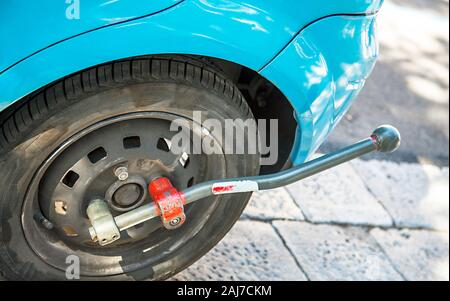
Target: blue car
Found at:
90, 92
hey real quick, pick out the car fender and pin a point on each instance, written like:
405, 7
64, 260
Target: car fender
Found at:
249, 33
321, 72
29, 26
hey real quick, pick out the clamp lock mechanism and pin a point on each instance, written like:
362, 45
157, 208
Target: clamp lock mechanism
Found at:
169, 201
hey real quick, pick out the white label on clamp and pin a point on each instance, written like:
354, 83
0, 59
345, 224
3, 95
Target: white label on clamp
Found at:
234, 187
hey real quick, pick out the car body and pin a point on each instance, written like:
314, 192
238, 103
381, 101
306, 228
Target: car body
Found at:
318, 54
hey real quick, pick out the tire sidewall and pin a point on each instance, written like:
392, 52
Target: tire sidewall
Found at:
20, 164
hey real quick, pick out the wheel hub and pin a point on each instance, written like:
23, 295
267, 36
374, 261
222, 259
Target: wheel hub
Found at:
128, 194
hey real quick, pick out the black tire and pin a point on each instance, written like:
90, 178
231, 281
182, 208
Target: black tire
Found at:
31, 133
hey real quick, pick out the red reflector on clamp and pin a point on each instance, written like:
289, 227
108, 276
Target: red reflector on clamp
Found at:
169, 201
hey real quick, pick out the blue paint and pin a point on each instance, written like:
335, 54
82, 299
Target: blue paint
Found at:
321, 71
28, 26
39, 45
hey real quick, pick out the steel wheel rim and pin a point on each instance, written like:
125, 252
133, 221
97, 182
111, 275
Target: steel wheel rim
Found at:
66, 246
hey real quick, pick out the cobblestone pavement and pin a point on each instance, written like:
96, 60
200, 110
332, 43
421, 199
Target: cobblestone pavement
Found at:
365, 220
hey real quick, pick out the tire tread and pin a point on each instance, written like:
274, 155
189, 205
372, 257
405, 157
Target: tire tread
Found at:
178, 69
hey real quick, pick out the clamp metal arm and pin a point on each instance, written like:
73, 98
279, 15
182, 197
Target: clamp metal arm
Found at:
168, 202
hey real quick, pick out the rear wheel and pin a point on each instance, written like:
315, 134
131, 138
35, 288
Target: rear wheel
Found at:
60, 150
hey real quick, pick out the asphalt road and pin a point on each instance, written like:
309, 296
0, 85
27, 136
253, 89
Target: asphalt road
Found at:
409, 87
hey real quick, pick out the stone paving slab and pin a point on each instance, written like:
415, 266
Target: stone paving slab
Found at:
273, 204
419, 255
339, 196
327, 252
414, 195
251, 251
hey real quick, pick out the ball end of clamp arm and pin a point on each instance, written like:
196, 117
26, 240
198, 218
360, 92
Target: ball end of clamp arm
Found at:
387, 138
